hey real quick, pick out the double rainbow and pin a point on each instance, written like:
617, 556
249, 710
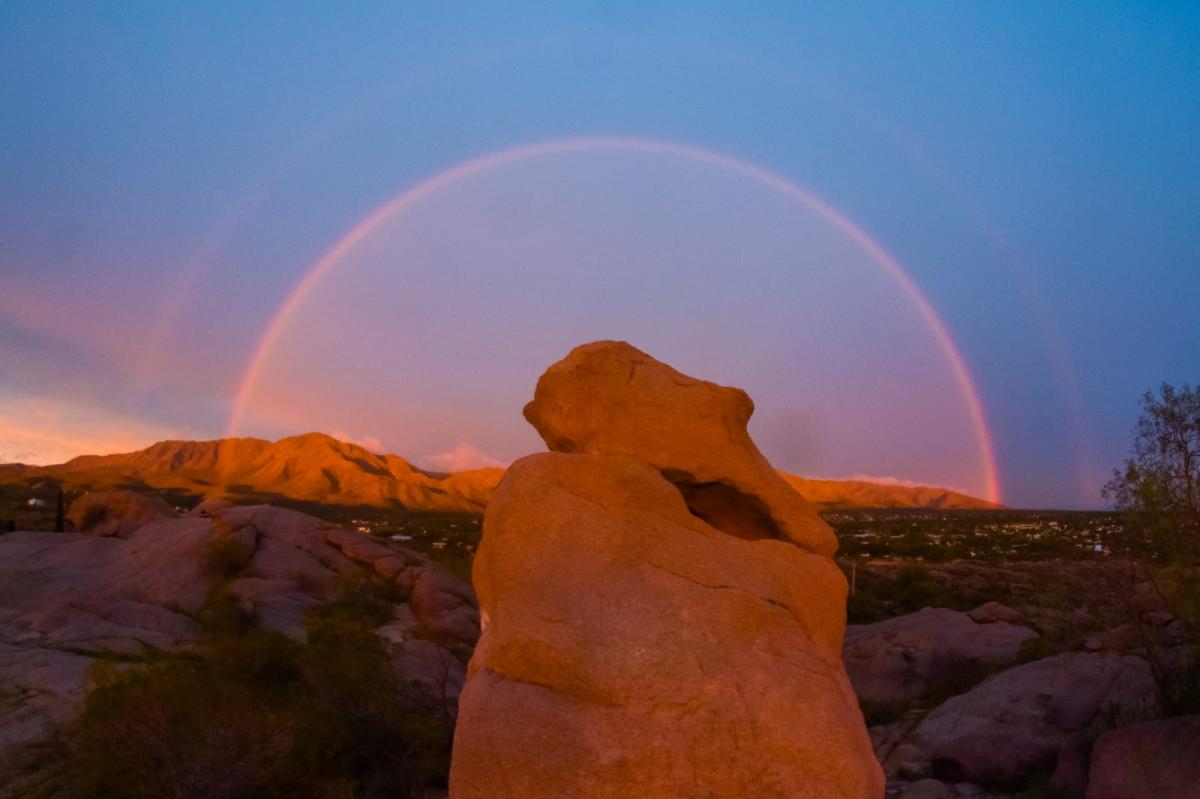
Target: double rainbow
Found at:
405, 200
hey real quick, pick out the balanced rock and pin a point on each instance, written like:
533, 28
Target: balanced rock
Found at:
608, 398
637, 640
118, 512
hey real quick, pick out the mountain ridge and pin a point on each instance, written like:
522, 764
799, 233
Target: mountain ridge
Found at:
320, 468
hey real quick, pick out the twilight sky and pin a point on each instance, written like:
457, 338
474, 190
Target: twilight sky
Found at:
169, 175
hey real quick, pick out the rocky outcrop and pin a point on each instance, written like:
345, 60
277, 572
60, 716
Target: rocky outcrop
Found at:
1015, 724
928, 652
995, 612
68, 600
1157, 758
118, 513
213, 506
660, 617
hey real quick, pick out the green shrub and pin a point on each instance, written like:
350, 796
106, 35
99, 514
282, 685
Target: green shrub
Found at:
358, 601
1181, 690
225, 557
882, 712
92, 516
1036, 649
222, 614
251, 713
172, 729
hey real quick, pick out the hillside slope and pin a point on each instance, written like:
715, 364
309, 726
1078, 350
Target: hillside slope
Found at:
846, 494
312, 468
318, 468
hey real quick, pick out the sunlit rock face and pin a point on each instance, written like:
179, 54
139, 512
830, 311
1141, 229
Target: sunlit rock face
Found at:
608, 398
661, 617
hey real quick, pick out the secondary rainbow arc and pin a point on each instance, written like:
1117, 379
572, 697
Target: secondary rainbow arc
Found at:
409, 197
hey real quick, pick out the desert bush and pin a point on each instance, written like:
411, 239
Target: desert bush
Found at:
357, 601
92, 516
224, 557
252, 713
875, 713
222, 615
1036, 649
174, 729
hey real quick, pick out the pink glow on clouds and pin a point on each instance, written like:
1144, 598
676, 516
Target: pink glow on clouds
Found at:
40, 431
369, 443
463, 457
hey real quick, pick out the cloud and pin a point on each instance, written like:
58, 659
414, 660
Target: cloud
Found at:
369, 443
899, 481
41, 430
464, 456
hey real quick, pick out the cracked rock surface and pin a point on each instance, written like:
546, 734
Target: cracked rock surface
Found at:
659, 617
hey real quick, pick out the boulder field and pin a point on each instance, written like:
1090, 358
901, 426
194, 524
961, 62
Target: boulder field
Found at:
69, 600
932, 651
661, 615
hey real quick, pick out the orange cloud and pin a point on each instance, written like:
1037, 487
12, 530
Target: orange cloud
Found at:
464, 456
41, 431
369, 443
896, 481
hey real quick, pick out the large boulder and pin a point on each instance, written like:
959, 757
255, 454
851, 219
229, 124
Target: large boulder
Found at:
1014, 725
632, 648
118, 512
608, 398
1157, 758
932, 651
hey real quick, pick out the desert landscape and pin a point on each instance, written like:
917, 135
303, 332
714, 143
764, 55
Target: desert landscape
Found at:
646, 400
648, 574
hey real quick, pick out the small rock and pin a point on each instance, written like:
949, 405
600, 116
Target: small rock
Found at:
928, 789
993, 612
211, 507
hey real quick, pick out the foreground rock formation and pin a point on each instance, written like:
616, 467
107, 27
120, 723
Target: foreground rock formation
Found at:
932, 651
70, 600
1018, 722
660, 613
1157, 758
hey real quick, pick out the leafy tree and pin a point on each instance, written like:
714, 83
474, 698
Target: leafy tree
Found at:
1159, 486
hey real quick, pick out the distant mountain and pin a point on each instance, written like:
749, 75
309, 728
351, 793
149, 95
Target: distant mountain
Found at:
860, 494
318, 468
311, 468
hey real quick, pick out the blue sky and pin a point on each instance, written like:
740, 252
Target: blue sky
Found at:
169, 171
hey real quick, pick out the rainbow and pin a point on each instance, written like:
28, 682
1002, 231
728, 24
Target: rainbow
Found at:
405, 200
